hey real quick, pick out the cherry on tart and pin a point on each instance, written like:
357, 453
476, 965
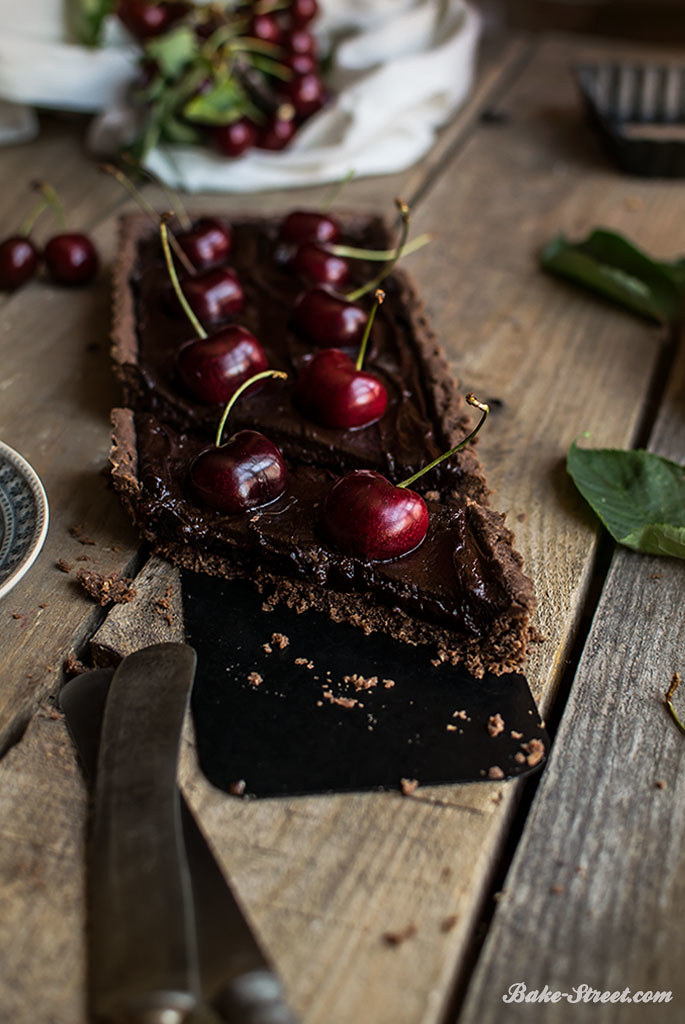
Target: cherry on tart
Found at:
302, 226
319, 266
214, 295
243, 474
334, 391
367, 516
206, 243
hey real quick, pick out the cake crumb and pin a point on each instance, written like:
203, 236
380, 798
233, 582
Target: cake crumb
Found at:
397, 938
409, 786
516, 735
436, 662
17, 615
448, 923
535, 751
305, 661
361, 682
660, 784
237, 788
520, 758
495, 772
73, 666
77, 533
280, 640
63, 565
343, 702
106, 588
632, 203
83, 558
556, 889
521, 517
388, 684
495, 724
254, 679
450, 728
432, 496
43, 604
459, 714
267, 648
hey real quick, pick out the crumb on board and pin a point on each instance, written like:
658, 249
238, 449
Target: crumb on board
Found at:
409, 786
162, 605
280, 640
534, 750
43, 604
237, 788
77, 532
63, 565
106, 588
495, 724
660, 784
398, 937
254, 679
495, 772
556, 889
73, 666
448, 923
17, 615
83, 558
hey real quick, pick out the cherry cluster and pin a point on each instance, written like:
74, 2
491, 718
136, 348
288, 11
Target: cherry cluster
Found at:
266, 49
70, 257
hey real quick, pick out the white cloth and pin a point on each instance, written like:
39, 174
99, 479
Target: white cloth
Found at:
400, 70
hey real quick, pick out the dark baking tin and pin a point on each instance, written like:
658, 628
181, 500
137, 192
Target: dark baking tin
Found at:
628, 103
283, 737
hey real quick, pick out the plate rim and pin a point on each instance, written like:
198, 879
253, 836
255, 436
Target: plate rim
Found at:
40, 533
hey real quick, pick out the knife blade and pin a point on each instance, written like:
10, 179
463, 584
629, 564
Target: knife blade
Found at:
236, 976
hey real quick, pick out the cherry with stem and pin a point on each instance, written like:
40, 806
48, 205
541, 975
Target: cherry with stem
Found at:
70, 256
19, 256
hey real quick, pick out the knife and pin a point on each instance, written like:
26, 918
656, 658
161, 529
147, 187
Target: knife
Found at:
234, 974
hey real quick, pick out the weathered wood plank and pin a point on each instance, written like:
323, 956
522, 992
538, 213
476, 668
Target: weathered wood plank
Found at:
595, 894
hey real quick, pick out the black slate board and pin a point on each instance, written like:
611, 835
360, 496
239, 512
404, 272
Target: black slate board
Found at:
285, 737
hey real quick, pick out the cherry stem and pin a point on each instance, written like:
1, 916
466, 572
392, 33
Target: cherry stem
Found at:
275, 374
164, 235
335, 191
380, 295
351, 252
28, 225
175, 200
148, 208
472, 400
52, 200
372, 285
668, 701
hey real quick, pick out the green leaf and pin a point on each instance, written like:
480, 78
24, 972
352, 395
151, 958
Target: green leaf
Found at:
86, 18
609, 264
640, 497
223, 104
173, 51
174, 130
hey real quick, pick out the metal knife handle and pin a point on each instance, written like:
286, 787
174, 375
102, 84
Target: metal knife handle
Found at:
253, 998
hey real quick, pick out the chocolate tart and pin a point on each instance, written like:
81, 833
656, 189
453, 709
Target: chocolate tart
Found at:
461, 591
426, 414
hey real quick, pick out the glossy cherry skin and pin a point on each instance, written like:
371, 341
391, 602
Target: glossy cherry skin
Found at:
267, 28
299, 40
332, 392
303, 11
329, 320
213, 295
308, 226
145, 20
71, 259
236, 138
245, 473
19, 261
301, 63
365, 515
316, 265
212, 368
306, 93
207, 244
276, 133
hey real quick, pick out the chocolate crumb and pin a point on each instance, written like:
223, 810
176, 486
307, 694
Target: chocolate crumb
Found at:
44, 604
343, 702
388, 683
77, 533
63, 565
106, 588
280, 640
521, 517
361, 682
397, 938
254, 679
267, 648
409, 786
660, 784
459, 714
556, 889
432, 496
520, 758
535, 750
73, 666
450, 728
83, 558
17, 615
495, 772
237, 788
448, 923
495, 724
516, 735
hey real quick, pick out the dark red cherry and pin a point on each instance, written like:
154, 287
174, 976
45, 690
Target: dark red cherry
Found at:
320, 267
299, 40
19, 259
236, 138
245, 473
145, 20
303, 11
301, 63
332, 392
308, 226
212, 368
306, 93
71, 259
213, 295
329, 320
365, 515
276, 133
267, 28
207, 243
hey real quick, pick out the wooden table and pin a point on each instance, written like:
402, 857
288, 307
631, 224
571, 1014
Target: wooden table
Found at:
575, 877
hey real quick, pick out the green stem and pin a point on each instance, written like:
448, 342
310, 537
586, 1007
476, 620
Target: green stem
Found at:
249, 44
28, 225
372, 285
335, 191
351, 252
380, 295
674, 715
272, 67
199, 329
53, 201
472, 400
276, 374
668, 700
175, 201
